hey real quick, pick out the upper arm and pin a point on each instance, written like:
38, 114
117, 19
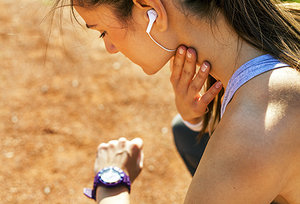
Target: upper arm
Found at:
243, 162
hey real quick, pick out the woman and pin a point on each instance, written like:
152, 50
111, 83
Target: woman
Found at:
252, 47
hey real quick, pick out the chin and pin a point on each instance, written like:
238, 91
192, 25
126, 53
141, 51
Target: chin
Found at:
153, 69
150, 70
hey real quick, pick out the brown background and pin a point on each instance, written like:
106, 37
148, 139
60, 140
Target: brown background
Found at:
56, 107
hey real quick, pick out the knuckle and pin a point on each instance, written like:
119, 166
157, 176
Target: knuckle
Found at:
122, 143
122, 139
177, 62
112, 143
194, 88
187, 72
102, 146
201, 75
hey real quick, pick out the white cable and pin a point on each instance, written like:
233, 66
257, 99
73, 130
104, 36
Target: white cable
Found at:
152, 18
166, 49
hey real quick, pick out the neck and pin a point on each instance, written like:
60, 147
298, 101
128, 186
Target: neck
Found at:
219, 45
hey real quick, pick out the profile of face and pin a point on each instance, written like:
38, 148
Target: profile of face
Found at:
130, 38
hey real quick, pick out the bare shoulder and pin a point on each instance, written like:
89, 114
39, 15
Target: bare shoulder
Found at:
251, 155
266, 110
270, 104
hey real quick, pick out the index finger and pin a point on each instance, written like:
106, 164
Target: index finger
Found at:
177, 65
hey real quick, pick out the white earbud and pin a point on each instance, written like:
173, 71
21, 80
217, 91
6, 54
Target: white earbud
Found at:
152, 18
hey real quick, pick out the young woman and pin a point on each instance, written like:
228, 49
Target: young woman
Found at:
252, 47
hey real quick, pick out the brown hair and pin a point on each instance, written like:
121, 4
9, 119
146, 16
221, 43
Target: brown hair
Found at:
269, 25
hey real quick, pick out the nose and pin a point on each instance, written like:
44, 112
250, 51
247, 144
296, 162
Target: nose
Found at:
110, 47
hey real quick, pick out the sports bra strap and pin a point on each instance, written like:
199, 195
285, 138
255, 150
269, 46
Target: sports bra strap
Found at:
248, 71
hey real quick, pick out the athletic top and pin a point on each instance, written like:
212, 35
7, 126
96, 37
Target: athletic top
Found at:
248, 71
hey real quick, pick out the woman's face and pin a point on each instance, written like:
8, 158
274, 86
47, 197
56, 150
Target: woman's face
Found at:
130, 39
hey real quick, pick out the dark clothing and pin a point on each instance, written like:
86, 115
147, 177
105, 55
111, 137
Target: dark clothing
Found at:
186, 144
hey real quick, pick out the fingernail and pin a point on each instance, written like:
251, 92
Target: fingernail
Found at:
204, 67
189, 55
218, 84
181, 51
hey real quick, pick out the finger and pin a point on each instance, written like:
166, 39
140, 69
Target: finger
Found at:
188, 71
136, 152
101, 157
136, 149
210, 94
102, 150
199, 80
122, 143
102, 146
138, 141
112, 145
140, 160
177, 65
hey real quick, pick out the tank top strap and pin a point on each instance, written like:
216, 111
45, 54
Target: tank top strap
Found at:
246, 72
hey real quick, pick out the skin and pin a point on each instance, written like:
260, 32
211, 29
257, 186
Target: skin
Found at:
124, 154
130, 39
251, 159
187, 85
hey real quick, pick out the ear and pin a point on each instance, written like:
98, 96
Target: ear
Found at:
162, 19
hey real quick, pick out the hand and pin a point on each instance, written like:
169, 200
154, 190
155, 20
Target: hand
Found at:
127, 155
187, 84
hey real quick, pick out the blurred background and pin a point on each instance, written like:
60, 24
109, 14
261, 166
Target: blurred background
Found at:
60, 96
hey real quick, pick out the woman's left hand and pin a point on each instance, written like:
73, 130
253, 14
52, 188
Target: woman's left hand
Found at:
187, 84
122, 153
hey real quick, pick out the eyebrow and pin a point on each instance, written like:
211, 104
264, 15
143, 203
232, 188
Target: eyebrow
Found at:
90, 26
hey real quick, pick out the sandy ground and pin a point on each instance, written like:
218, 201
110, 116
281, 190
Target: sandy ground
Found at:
54, 112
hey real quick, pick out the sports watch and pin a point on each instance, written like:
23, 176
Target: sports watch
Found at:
108, 177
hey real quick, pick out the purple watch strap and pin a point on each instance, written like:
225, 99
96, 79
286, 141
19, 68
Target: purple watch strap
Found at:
91, 193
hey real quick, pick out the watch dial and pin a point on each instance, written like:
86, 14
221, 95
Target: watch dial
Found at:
111, 176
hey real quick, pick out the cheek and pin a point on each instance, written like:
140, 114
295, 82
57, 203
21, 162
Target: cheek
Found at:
150, 62
135, 44
145, 54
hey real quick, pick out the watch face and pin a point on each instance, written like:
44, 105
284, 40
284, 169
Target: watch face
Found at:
110, 176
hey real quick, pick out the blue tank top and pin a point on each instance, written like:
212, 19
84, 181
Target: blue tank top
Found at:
248, 71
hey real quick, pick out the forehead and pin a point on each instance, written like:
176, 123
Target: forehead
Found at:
100, 15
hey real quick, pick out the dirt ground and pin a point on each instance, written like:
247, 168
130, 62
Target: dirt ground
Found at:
56, 107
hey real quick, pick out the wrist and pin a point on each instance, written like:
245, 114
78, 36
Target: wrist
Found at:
104, 192
195, 125
109, 178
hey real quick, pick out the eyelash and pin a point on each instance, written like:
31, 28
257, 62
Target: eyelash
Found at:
102, 34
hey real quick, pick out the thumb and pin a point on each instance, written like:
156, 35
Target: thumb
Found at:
138, 142
137, 152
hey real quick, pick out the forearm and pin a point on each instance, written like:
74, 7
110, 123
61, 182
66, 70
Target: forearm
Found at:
115, 195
